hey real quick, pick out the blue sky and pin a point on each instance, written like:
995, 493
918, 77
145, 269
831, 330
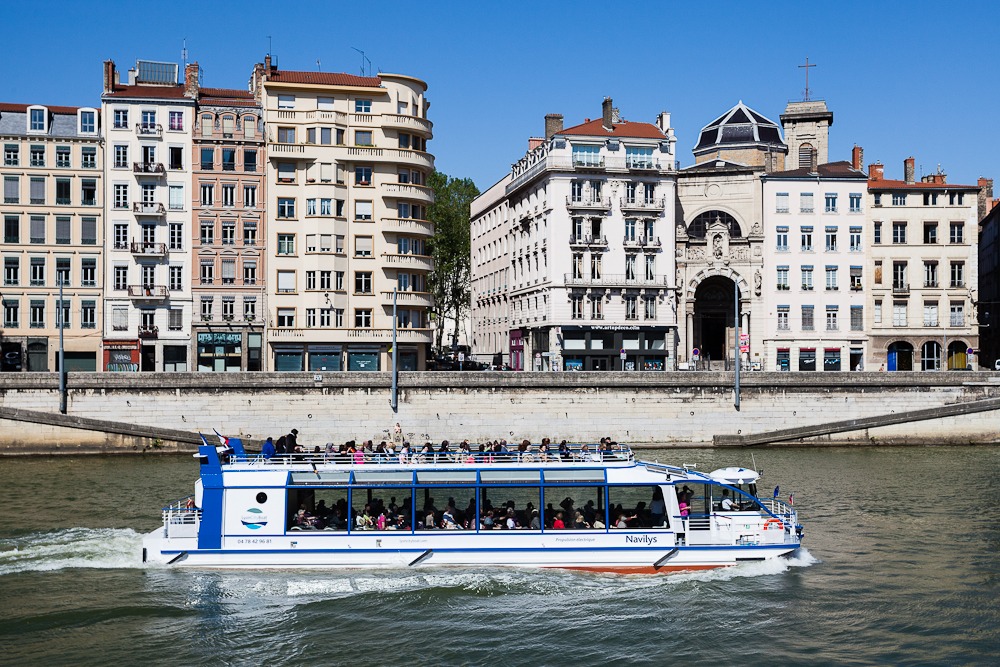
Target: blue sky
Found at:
915, 78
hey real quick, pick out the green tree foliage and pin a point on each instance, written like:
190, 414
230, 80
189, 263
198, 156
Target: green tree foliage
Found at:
449, 282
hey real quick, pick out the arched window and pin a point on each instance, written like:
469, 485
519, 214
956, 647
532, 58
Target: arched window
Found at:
696, 229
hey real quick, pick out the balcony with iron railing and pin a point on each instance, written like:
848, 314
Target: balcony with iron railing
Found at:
149, 168
587, 240
149, 332
641, 241
148, 208
580, 163
617, 280
147, 292
641, 204
592, 203
900, 289
149, 249
149, 130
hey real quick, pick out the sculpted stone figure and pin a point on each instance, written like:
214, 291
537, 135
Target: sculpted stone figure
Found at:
717, 245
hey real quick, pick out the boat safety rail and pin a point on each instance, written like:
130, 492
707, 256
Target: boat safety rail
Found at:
182, 511
585, 454
775, 506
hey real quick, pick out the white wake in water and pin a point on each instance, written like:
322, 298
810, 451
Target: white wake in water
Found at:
101, 548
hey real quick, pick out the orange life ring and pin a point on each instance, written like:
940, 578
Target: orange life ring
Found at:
780, 525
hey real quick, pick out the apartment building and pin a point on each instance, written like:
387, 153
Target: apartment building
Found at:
924, 255
228, 228
347, 167
148, 307
578, 243
814, 268
52, 233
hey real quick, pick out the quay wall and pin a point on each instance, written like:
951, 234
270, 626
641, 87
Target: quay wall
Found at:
666, 409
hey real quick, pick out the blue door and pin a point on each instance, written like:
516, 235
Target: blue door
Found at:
891, 366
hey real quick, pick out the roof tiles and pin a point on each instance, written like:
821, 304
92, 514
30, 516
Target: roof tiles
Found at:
324, 78
595, 128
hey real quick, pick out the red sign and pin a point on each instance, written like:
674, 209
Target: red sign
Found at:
121, 356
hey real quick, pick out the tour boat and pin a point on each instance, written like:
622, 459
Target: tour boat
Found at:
579, 509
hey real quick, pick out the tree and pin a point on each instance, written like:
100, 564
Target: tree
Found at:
450, 248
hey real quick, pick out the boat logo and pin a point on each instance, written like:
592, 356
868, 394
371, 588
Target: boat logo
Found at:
254, 519
640, 539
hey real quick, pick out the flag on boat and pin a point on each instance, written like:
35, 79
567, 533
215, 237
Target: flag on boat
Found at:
791, 499
776, 492
223, 439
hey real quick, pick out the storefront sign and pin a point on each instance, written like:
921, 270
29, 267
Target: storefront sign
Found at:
220, 338
121, 356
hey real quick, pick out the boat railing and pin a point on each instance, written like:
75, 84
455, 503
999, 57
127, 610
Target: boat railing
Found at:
575, 455
775, 506
181, 517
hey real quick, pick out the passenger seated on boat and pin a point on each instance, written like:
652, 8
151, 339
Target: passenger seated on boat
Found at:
267, 450
524, 451
578, 521
535, 523
380, 521
448, 520
564, 452
557, 523
305, 521
657, 508
621, 521
510, 521
584, 453
359, 456
487, 522
543, 451
598, 524
589, 512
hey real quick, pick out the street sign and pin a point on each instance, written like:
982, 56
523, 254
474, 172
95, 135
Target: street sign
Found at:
622, 354
744, 348
695, 352
970, 351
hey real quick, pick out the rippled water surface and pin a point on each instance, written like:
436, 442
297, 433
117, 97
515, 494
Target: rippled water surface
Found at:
899, 567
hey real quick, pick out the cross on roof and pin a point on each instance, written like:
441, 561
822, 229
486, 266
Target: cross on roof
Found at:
806, 68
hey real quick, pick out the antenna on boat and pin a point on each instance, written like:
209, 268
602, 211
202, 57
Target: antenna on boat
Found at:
754, 461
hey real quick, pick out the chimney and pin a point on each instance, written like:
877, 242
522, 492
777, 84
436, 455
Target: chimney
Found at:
876, 171
109, 76
534, 142
553, 125
857, 157
908, 170
663, 121
985, 196
607, 110
191, 80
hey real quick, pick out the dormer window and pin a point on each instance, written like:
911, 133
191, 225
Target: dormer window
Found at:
37, 119
87, 121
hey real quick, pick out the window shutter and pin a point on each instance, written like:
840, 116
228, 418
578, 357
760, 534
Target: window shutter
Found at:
229, 269
286, 281
62, 229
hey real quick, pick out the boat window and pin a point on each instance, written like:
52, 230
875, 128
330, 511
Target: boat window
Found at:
318, 478
446, 508
561, 476
380, 508
637, 507
566, 501
317, 510
502, 503
446, 477
697, 496
510, 476
383, 477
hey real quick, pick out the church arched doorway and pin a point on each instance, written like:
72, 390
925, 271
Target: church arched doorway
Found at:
714, 326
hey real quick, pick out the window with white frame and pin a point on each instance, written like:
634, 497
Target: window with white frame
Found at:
781, 239
899, 313
832, 323
855, 202
831, 278
807, 238
597, 307
782, 318
807, 278
631, 307
781, 202
782, 278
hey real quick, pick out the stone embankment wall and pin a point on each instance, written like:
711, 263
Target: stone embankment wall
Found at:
670, 409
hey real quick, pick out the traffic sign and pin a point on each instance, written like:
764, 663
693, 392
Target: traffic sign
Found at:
695, 352
622, 354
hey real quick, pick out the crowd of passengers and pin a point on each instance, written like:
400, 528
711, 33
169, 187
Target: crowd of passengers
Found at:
465, 452
377, 515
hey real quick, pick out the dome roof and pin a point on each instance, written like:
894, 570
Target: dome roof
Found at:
738, 127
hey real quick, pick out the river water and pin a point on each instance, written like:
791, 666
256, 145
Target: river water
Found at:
899, 566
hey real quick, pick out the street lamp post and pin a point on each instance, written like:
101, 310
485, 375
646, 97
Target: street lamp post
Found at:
394, 399
62, 350
736, 319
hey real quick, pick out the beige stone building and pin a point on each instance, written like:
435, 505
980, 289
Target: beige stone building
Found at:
925, 267
347, 167
52, 231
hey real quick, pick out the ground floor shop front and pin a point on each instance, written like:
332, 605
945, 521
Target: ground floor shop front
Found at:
594, 348
318, 357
